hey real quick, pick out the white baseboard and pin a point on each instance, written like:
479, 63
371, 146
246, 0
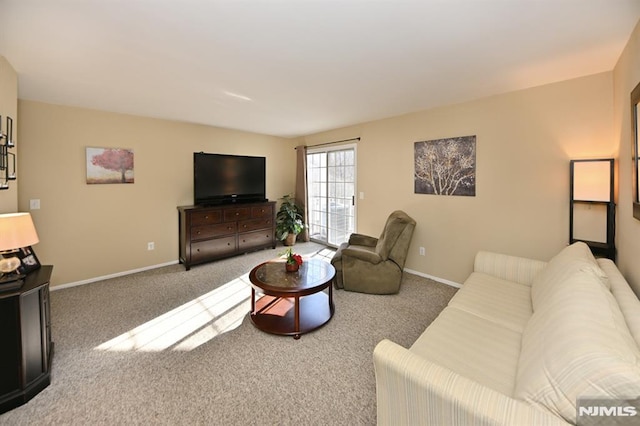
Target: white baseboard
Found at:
431, 277
106, 277
173, 262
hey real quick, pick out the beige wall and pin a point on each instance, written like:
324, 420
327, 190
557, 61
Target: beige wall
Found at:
626, 77
89, 231
9, 107
525, 140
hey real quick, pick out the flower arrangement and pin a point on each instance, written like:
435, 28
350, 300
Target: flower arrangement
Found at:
293, 261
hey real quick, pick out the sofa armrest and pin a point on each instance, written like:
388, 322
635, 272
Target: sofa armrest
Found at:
362, 240
414, 391
511, 268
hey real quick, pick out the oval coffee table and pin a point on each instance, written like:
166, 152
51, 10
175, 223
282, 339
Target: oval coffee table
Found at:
293, 303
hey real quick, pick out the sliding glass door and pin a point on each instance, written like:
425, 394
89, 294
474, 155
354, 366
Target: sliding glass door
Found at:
331, 186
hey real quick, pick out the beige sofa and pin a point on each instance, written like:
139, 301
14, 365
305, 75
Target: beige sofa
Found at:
517, 345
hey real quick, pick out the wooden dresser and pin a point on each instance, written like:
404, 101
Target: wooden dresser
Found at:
210, 233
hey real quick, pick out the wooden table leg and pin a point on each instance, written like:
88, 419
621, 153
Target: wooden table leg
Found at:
296, 317
331, 296
253, 300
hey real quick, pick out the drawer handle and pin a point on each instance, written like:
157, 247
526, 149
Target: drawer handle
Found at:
198, 250
228, 244
237, 213
198, 232
244, 226
229, 228
206, 216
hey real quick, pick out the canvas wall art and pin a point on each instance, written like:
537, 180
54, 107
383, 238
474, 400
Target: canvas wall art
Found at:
109, 165
445, 166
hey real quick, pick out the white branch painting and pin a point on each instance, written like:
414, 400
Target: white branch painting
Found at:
446, 166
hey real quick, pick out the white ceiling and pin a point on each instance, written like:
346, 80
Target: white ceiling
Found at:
296, 67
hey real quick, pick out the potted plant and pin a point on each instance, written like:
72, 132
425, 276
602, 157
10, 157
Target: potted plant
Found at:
288, 221
292, 260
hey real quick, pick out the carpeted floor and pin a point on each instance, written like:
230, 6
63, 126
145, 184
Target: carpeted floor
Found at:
170, 346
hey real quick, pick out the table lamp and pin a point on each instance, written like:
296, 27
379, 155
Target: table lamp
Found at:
16, 231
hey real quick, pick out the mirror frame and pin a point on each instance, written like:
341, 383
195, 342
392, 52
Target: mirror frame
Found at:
635, 100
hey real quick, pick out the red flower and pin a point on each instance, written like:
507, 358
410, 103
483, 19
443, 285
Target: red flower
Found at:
292, 258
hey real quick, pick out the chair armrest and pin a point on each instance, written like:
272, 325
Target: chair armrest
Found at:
511, 268
412, 390
362, 240
363, 255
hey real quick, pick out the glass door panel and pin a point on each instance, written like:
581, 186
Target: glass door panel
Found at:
331, 191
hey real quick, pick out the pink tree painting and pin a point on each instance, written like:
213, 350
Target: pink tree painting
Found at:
109, 165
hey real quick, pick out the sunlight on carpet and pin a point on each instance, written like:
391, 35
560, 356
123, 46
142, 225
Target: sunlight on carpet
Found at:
325, 254
196, 322
190, 325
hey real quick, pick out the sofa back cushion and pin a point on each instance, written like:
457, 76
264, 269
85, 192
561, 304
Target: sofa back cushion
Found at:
573, 258
625, 297
577, 344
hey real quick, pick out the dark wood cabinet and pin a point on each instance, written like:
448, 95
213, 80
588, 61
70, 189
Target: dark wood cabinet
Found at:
26, 349
210, 233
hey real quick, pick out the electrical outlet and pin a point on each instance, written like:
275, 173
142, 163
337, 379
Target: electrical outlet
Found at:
151, 246
421, 251
34, 204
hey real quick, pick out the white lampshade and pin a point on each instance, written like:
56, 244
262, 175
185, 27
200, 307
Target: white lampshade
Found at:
17, 231
592, 180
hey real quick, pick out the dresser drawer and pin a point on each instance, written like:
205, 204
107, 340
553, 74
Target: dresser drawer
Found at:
206, 217
210, 231
237, 213
205, 250
255, 239
253, 224
262, 211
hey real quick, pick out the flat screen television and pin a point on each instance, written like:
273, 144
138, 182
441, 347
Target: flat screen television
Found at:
225, 179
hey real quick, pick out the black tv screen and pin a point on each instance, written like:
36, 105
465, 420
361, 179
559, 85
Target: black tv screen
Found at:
222, 179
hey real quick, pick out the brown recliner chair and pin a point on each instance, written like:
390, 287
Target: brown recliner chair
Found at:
374, 265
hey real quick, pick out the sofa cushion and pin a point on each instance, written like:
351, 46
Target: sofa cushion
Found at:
473, 347
505, 302
625, 297
577, 345
576, 257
